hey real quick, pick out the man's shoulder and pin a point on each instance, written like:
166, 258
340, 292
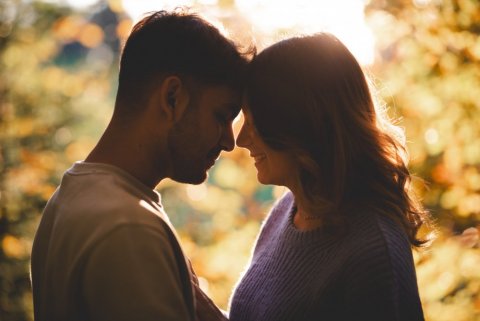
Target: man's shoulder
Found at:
102, 202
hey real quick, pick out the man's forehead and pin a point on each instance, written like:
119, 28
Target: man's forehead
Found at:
223, 97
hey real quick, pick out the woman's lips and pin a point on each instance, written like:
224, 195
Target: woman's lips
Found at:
258, 157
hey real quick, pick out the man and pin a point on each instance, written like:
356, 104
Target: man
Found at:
105, 249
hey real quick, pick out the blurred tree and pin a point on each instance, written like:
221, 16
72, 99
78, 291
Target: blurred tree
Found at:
428, 58
429, 65
55, 91
26, 128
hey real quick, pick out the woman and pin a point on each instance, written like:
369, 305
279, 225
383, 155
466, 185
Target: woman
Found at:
337, 246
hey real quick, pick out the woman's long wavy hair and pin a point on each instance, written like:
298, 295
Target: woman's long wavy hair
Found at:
308, 96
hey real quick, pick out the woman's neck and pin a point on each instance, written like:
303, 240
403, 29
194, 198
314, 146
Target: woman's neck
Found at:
303, 217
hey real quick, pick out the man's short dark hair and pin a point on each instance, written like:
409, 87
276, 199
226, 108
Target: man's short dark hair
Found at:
181, 43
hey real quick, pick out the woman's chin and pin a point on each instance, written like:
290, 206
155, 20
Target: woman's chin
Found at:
262, 179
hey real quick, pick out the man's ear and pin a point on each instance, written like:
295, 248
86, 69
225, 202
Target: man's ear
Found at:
172, 98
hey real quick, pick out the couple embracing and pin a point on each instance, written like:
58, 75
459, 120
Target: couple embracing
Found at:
336, 246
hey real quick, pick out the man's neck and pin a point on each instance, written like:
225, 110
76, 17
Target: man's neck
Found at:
128, 155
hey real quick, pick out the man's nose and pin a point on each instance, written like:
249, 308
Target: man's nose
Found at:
228, 141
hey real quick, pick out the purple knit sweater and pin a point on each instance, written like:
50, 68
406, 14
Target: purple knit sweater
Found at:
368, 274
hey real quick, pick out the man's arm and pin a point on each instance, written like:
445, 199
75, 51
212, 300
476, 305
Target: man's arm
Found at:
206, 310
132, 275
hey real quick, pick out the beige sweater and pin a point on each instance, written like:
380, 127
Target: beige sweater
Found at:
105, 250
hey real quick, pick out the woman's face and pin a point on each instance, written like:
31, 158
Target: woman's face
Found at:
273, 167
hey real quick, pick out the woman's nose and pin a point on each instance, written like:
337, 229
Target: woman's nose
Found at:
243, 139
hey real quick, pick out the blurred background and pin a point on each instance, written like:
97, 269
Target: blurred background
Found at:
58, 69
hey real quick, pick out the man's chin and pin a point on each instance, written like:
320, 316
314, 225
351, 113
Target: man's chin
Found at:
191, 179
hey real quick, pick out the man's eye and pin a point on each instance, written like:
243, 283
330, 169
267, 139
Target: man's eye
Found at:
222, 118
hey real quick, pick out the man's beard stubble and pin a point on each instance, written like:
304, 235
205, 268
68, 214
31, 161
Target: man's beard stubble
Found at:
186, 161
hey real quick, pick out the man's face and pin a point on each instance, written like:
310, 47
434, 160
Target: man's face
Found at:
202, 133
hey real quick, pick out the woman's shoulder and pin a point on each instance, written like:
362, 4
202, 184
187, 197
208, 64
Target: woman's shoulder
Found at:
276, 219
280, 208
285, 201
380, 270
376, 239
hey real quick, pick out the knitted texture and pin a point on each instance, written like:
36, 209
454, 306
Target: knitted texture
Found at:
366, 274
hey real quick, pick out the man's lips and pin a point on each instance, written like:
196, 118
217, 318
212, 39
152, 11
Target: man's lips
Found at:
210, 163
211, 159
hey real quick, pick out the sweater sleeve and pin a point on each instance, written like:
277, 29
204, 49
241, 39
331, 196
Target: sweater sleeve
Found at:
132, 275
369, 287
